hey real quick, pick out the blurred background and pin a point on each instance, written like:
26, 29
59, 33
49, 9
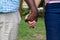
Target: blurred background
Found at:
37, 33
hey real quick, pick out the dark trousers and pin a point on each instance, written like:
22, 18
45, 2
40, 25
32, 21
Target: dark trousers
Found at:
52, 21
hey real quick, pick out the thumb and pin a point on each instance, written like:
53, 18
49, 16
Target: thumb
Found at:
26, 16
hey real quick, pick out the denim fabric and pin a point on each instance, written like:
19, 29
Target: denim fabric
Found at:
52, 21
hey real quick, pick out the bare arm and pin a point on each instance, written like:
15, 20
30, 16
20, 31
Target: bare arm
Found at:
34, 13
37, 2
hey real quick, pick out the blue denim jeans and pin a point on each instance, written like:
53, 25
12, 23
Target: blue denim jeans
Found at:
52, 21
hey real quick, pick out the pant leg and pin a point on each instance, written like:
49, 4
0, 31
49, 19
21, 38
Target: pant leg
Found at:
52, 21
9, 26
14, 30
1, 26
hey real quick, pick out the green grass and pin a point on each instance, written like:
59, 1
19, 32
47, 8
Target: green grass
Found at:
25, 33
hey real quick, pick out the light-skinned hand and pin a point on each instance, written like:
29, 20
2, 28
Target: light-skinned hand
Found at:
30, 23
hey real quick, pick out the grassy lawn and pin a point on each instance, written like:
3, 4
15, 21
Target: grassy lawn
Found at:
25, 33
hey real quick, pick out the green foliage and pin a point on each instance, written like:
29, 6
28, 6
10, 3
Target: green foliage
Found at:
25, 11
25, 33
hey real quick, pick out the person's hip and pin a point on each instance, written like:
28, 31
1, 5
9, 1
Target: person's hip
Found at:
52, 7
10, 17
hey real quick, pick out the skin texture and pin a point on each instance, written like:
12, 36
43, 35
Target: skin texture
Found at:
31, 23
33, 4
37, 2
34, 10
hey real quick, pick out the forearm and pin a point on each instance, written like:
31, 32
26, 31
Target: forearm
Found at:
33, 8
31, 5
37, 2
